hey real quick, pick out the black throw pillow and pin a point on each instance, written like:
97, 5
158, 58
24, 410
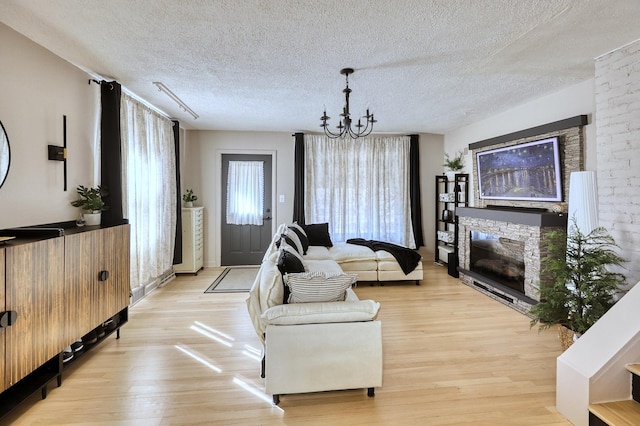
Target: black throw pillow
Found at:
318, 234
288, 263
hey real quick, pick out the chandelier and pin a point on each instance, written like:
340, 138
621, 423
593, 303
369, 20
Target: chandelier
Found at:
344, 128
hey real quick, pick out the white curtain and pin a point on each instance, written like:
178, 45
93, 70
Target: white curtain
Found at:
245, 192
149, 189
360, 187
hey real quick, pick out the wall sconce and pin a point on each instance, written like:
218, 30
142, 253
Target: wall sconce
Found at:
59, 153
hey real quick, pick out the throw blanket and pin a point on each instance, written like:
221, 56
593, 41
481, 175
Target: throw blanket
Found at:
407, 259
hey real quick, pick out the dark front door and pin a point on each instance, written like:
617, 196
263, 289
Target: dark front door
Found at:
243, 244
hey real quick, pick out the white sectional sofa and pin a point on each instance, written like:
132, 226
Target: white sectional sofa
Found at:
369, 265
317, 334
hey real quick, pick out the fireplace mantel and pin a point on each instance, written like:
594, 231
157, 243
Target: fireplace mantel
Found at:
540, 219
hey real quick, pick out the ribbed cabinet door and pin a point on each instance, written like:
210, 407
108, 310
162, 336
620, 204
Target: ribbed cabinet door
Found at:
2, 330
80, 282
94, 298
34, 288
112, 256
122, 247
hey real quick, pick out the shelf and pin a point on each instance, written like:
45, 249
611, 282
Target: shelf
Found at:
451, 194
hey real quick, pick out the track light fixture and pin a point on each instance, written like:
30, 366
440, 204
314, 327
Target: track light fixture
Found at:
162, 88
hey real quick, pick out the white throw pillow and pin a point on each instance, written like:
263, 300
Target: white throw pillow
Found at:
271, 287
293, 237
298, 227
318, 286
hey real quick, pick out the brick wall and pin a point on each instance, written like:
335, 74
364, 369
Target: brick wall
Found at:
617, 86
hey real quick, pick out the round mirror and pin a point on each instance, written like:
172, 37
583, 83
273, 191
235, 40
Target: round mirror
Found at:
5, 155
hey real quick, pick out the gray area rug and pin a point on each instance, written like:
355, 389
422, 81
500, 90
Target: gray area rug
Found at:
234, 280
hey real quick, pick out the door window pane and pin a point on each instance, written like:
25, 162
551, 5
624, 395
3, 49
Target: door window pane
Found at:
245, 193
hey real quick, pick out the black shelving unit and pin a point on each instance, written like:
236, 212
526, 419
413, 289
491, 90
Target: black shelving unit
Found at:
450, 194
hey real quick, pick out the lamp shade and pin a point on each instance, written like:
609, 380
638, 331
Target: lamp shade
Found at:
583, 200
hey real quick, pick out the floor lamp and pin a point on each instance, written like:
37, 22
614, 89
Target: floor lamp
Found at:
583, 201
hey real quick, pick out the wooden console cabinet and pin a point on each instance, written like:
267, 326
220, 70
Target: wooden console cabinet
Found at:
58, 288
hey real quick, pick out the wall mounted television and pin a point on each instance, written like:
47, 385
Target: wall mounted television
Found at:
528, 172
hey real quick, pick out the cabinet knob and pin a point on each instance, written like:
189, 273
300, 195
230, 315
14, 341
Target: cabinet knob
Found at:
103, 275
8, 318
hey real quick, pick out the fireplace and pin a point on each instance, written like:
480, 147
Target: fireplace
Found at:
500, 251
500, 259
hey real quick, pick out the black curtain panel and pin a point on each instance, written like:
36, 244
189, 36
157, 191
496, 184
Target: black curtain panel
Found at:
111, 152
298, 194
414, 189
177, 250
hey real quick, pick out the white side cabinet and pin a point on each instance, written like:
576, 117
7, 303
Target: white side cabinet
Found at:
192, 241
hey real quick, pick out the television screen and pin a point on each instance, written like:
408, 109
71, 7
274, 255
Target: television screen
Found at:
528, 171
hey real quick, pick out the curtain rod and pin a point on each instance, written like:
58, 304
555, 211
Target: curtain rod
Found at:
98, 80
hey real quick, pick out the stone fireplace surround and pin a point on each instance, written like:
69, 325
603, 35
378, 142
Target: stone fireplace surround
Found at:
524, 225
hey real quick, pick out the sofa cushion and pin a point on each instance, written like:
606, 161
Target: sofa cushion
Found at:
317, 253
271, 288
318, 286
344, 252
326, 266
314, 313
318, 234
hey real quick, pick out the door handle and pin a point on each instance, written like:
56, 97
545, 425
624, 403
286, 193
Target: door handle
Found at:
8, 318
266, 218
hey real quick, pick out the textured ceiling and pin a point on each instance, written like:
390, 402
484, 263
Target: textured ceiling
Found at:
426, 66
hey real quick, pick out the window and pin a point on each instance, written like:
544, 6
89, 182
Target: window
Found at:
360, 187
149, 193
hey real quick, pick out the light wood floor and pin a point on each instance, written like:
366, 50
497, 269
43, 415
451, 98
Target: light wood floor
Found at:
452, 356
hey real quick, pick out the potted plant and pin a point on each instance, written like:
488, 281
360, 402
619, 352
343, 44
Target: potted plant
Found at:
455, 164
189, 197
581, 288
91, 201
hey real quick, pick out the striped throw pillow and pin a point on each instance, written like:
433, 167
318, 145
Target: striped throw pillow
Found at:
318, 286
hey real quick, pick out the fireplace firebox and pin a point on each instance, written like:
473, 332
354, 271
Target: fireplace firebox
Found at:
497, 258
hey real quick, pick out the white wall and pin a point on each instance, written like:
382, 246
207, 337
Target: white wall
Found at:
37, 89
201, 156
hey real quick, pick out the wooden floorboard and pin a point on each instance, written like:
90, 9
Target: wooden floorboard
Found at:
452, 356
